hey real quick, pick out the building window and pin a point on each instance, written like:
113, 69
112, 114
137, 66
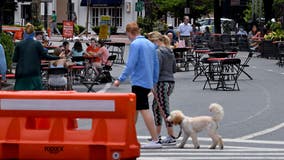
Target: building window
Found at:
114, 12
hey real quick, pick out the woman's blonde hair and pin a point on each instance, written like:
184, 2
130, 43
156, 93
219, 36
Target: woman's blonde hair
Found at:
166, 40
154, 36
29, 28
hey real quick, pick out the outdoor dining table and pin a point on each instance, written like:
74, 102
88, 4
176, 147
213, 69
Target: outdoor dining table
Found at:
222, 54
201, 63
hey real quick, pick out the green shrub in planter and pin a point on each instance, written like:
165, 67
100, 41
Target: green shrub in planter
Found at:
39, 27
275, 36
81, 29
76, 29
96, 29
60, 27
113, 29
8, 45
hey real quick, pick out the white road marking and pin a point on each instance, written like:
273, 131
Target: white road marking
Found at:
260, 133
216, 153
231, 140
106, 87
260, 111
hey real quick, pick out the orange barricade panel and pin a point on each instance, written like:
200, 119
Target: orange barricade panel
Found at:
18, 31
111, 136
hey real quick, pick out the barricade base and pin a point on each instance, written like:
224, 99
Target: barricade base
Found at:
65, 151
19, 141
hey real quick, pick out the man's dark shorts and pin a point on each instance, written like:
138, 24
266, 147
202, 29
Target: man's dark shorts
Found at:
141, 97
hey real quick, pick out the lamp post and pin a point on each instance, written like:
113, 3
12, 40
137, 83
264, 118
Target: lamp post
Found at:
88, 12
45, 15
217, 16
70, 10
1, 16
187, 9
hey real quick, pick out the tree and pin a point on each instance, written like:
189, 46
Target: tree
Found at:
268, 9
176, 7
278, 7
6, 5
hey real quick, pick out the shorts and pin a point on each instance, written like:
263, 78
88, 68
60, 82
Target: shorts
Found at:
141, 93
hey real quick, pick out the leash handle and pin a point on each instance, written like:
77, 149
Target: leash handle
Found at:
164, 115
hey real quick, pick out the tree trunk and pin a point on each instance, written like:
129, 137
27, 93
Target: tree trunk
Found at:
268, 9
217, 16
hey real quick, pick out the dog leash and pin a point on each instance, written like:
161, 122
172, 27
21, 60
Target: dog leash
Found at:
164, 115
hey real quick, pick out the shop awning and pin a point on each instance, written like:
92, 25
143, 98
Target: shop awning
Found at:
101, 2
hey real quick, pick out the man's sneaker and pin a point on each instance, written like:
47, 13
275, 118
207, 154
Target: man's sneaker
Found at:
152, 145
159, 137
169, 140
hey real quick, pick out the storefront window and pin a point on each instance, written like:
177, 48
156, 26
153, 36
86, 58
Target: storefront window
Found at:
114, 12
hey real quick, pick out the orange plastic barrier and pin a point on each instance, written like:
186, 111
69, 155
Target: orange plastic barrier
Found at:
18, 31
111, 136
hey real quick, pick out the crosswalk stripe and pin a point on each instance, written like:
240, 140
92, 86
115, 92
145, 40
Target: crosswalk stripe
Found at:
211, 158
260, 133
241, 151
211, 150
212, 154
231, 140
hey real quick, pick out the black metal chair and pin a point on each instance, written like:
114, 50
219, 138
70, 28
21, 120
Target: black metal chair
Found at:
104, 75
228, 76
245, 64
223, 74
182, 58
280, 54
243, 43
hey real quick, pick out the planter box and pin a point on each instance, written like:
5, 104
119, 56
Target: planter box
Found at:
268, 49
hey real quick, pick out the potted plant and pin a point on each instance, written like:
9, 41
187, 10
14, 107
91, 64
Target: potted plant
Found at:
8, 45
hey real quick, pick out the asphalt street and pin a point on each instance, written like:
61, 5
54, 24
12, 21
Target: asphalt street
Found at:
253, 126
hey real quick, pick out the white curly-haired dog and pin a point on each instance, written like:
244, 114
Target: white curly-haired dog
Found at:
192, 125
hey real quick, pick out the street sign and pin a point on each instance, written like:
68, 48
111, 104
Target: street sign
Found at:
139, 6
104, 27
186, 10
68, 29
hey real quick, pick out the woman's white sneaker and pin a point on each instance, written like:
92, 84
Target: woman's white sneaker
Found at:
152, 145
